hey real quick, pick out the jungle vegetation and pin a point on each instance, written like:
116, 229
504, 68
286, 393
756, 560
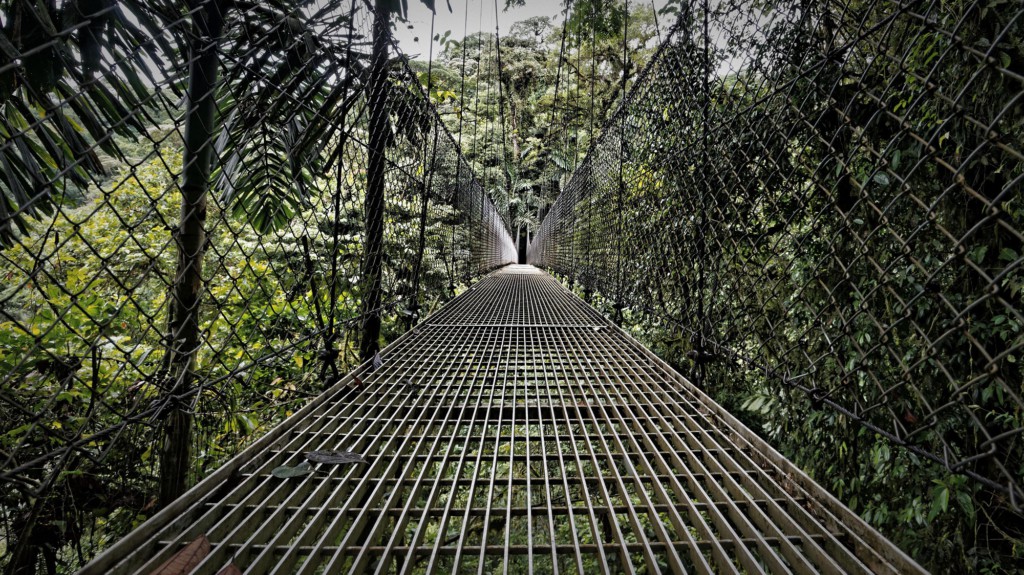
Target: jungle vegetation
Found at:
88, 264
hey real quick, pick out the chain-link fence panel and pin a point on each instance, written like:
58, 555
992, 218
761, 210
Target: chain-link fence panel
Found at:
183, 221
821, 200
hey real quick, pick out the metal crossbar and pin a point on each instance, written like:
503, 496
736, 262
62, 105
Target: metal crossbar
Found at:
514, 430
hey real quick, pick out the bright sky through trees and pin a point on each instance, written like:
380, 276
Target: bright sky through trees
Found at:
481, 17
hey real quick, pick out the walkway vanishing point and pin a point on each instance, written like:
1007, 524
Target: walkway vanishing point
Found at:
514, 431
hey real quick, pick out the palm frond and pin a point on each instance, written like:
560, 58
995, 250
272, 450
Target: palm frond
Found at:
64, 94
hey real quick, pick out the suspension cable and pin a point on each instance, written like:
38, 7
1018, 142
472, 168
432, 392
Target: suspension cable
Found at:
476, 139
428, 182
462, 118
622, 161
565, 132
589, 288
701, 240
657, 25
489, 130
501, 102
576, 124
593, 77
330, 353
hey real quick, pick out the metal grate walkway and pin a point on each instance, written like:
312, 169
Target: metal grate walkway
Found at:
514, 431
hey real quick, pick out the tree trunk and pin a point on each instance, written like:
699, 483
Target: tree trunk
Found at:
175, 459
515, 131
373, 246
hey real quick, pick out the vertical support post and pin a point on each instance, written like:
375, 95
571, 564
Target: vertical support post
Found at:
521, 243
183, 337
330, 352
700, 343
622, 183
414, 303
425, 190
373, 205
587, 276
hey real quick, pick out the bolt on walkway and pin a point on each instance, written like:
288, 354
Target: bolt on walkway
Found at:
514, 431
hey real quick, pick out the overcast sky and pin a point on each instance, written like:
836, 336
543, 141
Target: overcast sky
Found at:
481, 16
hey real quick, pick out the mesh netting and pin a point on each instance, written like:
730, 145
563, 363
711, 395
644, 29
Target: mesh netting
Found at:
825, 197
183, 215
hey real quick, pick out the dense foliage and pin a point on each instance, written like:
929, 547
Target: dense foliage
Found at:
826, 236
805, 202
525, 117
93, 261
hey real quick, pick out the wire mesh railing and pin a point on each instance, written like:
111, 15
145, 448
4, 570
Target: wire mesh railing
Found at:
515, 430
821, 201
183, 208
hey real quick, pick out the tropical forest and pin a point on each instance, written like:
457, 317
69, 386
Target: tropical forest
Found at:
234, 232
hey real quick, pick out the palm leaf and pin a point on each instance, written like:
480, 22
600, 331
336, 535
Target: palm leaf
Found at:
72, 91
263, 179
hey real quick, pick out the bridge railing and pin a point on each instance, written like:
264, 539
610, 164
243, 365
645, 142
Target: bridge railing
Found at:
816, 208
182, 227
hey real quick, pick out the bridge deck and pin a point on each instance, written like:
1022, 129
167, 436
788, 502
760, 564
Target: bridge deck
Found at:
516, 430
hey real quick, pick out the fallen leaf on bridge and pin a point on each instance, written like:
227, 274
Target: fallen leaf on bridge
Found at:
286, 472
335, 457
187, 559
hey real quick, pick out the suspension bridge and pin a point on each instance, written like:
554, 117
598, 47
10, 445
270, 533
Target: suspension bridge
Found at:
274, 304
516, 430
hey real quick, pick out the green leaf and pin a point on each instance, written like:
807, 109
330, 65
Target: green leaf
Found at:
943, 498
940, 502
964, 500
